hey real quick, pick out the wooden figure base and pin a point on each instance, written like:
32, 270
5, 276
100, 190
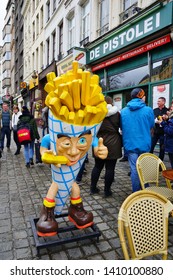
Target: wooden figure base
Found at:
73, 234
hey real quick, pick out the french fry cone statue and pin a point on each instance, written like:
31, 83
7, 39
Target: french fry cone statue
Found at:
76, 110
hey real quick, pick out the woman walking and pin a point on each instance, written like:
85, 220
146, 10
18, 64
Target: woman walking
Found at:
27, 118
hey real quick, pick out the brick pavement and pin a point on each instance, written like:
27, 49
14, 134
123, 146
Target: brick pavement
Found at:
21, 193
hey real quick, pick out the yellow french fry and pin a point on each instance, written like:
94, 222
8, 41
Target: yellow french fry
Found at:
52, 94
57, 81
76, 94
56, 93
95, 79
53, 159
87, 114
79, 74
61, 88
69, 87
96, 117
64, 112
96, 99
75, 68
47, 100
49, 87
71, 117
70, 77
79, 116
50, 76
96, 90
67, 100
85, 94
55, 106
102, 106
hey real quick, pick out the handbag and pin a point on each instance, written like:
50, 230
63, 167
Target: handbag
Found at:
37, 153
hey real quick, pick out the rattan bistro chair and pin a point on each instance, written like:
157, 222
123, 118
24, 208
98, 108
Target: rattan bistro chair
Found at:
148, 166
143, 225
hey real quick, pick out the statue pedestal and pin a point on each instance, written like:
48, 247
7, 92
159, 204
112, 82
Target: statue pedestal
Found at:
66, 233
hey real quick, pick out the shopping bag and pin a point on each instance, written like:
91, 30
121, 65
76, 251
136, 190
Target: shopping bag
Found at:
37, 153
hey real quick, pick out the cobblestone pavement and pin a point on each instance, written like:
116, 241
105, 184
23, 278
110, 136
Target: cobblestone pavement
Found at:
21, 194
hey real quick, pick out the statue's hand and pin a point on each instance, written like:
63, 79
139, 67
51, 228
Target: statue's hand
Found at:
102, 151
51, 158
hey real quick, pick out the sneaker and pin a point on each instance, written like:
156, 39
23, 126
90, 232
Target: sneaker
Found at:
94, 190
28, 165
0, 153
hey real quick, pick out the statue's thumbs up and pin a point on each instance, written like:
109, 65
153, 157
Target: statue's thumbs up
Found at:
102, 151
100, 142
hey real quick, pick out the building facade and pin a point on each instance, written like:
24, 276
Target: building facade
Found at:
136, 53
128, 43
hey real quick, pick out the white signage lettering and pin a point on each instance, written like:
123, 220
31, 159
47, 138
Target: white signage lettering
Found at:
131, 34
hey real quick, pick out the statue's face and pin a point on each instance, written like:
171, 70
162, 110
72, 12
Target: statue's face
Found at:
73, 148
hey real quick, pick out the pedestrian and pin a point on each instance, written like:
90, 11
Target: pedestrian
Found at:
109, 131
167, 124
27, 118
5, 125
137, 122
158, 134
45, 120
15, 118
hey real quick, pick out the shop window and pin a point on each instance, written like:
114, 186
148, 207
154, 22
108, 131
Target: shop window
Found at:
129, 79
162, 69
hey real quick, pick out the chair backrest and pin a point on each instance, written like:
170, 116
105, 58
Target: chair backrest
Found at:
143, 225
148, 166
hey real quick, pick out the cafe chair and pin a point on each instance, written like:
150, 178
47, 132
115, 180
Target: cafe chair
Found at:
143, 225
149, 167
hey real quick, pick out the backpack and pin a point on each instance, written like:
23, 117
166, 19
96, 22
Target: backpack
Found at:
24, 133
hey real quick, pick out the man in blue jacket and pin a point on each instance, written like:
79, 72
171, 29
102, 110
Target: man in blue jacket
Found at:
137, 121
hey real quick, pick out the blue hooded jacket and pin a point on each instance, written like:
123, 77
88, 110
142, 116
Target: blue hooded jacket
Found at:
137, 120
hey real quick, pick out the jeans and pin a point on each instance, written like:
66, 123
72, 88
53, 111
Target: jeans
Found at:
29, 151
155, 139
132, 158
109, 172
5, 131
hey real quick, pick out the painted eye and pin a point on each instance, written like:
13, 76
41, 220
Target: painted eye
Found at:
82, 140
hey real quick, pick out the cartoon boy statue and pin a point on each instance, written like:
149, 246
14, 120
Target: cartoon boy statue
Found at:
76, 110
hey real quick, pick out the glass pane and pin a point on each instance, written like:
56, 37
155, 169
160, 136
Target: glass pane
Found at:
161, 70
130, 78
104, 18
128, 3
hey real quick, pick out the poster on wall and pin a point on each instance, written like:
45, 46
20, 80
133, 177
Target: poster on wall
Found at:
161, 91
117, 101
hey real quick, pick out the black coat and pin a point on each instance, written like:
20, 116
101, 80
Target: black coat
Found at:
109, 131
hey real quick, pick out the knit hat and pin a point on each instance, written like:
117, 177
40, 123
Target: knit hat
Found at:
137, 93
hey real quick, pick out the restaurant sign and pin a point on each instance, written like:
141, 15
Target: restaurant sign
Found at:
132, 32
137, 51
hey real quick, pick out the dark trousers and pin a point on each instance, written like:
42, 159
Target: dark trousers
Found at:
155, 139
5, 131
109, 172
16, 140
